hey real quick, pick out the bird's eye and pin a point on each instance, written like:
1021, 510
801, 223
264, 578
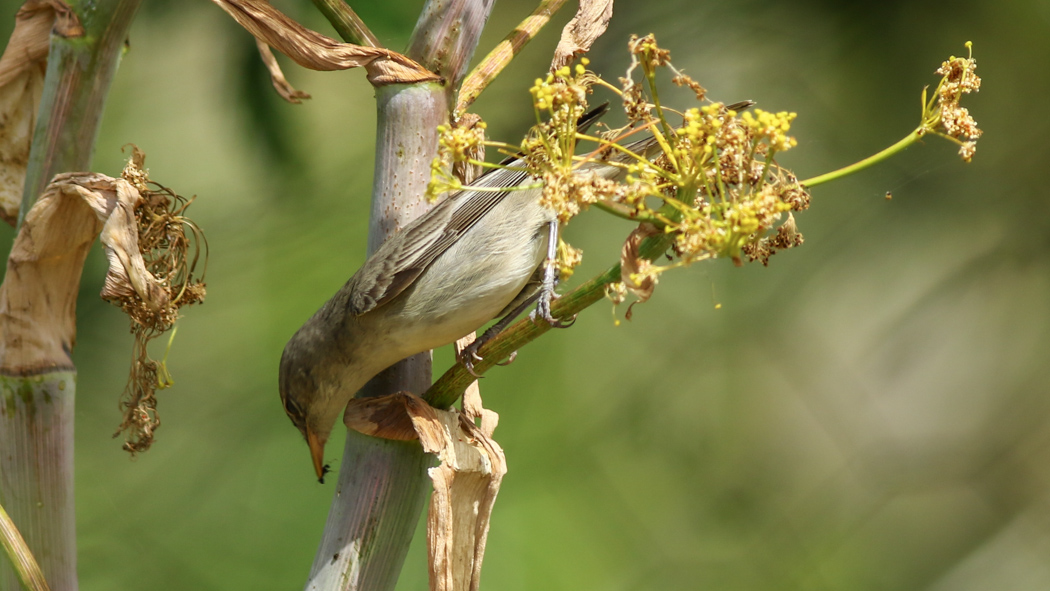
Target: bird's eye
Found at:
294, 411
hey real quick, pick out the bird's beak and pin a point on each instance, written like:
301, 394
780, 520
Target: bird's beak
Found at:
316, 453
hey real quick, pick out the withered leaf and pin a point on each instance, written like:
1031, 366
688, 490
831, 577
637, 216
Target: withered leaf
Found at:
465, 488
389, 417
631, 264
280, 83
582, 31
315, 51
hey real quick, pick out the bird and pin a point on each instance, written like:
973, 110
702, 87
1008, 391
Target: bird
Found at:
476, 256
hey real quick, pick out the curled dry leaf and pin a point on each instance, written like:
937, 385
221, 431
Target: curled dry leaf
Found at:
39, 295
387, 417
315, 51
465, 483
22, 69
634, 269
280, 83
582, 31
152, 273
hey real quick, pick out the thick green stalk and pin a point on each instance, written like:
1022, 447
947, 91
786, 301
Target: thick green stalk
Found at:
38, 299
383, 484
36, 475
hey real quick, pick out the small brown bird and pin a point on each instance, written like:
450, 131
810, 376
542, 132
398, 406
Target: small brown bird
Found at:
475, 256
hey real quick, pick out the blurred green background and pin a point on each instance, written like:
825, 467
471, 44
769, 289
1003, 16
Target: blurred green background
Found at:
869, 412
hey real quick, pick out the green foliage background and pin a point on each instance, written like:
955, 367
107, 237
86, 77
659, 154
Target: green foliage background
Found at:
870, 412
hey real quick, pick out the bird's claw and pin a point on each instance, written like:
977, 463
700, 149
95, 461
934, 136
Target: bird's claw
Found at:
543, 310
469, 355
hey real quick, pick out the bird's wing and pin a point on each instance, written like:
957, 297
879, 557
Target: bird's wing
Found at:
404, 256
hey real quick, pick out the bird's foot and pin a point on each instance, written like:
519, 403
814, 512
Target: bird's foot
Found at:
543, 310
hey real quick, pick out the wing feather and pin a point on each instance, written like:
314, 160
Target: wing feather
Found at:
404, 256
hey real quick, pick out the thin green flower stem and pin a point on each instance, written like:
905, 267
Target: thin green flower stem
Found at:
765, 170
601, 82
906, 141
346, 22
628, 214
450, 386
641, 159
650, 78
476, 189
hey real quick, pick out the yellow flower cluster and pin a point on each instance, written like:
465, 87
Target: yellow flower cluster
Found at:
770, 129
561, 88
728, 192
709, 181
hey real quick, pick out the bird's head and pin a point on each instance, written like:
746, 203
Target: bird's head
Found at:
306, 402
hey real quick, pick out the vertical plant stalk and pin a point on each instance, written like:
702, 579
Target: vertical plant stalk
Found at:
446, 36
383, 484
38, 300
36, 430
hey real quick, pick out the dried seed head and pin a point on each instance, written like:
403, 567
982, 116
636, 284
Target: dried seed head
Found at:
152, 296
959, 77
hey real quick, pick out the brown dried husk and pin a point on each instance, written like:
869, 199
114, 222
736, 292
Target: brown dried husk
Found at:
582, 31
280, 83
631, 262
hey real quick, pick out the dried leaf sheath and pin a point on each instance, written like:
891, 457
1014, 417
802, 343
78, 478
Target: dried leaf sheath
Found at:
22, 69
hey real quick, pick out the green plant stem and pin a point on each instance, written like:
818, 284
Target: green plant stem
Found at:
906, 141
446, 36
450, 386
346, 22
382, 484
